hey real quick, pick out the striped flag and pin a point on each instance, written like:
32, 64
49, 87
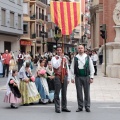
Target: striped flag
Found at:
66, 15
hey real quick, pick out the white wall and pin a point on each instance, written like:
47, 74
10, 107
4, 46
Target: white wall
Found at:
15, 47
17, 9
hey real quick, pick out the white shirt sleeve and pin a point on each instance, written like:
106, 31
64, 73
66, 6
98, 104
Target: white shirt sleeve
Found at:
56, 62
72, 70
92, 71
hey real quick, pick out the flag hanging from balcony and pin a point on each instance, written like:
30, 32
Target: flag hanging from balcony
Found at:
66, 15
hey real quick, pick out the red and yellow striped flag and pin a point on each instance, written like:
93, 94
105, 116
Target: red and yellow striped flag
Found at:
66, 15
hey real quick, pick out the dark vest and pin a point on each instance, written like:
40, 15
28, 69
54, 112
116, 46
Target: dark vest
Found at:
81, 72
19, 57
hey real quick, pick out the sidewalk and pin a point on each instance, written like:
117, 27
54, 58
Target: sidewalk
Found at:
104, 89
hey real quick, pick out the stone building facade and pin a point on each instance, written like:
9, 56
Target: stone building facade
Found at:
11, 25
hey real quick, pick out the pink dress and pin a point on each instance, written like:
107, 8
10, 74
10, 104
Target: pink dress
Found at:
12, 99
12, 95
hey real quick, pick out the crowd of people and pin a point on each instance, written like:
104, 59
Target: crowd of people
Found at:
53, 73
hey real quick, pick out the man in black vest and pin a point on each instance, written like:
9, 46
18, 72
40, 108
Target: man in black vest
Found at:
82, 73
20, 60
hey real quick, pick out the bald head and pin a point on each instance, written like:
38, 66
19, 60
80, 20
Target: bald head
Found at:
80, 49
6, 51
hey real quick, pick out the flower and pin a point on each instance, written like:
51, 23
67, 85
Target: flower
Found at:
11, 81
42, 72
32, 79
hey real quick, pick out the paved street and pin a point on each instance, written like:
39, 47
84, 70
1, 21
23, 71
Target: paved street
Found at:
105, 104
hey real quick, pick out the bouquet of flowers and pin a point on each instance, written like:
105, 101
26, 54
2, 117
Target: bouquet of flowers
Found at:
32, 79
12, 82
42, 73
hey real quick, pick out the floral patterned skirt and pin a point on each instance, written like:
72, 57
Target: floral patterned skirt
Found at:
29, 92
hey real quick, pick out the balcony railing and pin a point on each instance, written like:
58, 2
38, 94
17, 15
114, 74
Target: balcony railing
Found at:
33, 36
33, 17
43, 1
42, 17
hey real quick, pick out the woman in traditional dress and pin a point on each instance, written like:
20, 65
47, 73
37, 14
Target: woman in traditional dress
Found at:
41, 82
12, 63
13, 94
50, 80
1, 65
27, 86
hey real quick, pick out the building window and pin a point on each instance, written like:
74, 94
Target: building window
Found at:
49, 18
25, 28
19, 21
19, 2
3, 16
12, 19
25, 8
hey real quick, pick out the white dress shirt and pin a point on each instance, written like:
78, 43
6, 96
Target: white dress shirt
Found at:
56, 63
95, 57
81, 63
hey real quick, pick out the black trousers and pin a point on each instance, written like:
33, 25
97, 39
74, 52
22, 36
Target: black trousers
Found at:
5, 67
83, 86
100, 59
63, 87
20, 63
95, 67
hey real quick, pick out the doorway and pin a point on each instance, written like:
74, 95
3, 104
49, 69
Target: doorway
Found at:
23, 48
7, 46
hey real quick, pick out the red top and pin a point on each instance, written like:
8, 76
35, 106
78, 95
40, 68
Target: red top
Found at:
6, 58
61, 71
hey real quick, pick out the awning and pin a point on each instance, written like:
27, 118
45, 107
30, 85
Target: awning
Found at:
25, 42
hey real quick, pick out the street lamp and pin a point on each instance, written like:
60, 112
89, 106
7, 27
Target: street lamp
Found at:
43, 36
57, 34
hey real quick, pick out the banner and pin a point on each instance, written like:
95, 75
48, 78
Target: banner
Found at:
66, 15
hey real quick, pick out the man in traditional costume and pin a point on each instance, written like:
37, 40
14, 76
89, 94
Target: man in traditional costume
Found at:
62, 77
82, 73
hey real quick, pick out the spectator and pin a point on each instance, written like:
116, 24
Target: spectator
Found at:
1, 65
6, 59
100, 54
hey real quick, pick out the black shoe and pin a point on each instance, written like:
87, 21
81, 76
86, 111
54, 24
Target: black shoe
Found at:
65, 110
25, 104
79, 110
57, 111
31, 104
87, 109
15, 107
